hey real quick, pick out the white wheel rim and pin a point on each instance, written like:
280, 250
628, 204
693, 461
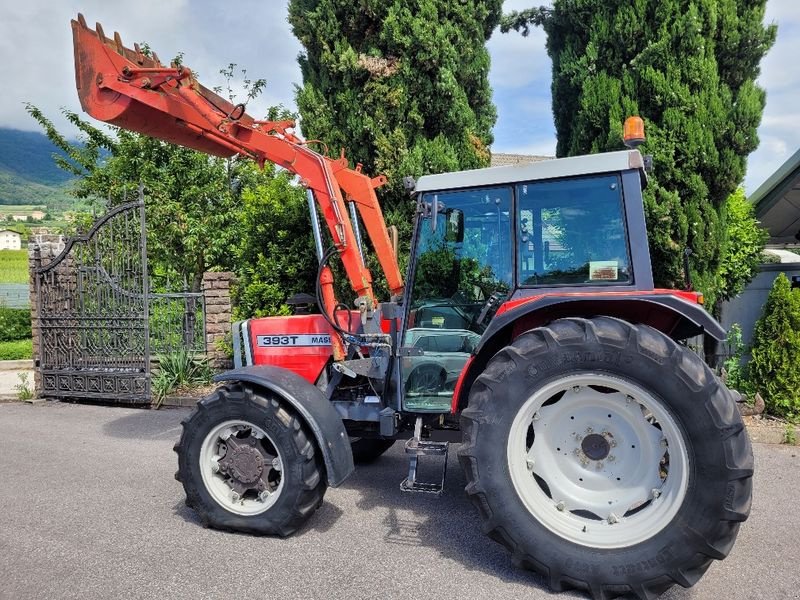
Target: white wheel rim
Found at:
246, 497
611, 501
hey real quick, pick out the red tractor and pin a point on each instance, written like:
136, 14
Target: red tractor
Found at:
597, 448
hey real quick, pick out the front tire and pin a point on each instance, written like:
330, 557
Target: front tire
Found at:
248, 464
606, 457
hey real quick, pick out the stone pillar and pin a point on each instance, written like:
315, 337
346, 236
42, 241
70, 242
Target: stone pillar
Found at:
217, 294
40, 253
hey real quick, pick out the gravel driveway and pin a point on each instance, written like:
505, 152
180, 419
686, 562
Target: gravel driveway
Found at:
89, 509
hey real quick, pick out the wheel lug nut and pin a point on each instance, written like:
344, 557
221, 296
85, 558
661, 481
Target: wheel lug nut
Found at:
628, 399
561, 506
530, 462
612, 458
612, 519
576, 388
235, 497
214, 466
655, 493
536, 416
264, 495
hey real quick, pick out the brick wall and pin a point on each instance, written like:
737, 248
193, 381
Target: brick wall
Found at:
217, 293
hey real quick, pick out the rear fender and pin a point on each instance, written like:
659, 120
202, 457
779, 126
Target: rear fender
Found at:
317, 412
669, 313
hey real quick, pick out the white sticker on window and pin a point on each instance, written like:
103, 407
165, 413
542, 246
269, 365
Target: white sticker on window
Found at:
603, 270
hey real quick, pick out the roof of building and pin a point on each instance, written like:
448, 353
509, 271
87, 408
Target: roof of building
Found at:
777, 203
10, 231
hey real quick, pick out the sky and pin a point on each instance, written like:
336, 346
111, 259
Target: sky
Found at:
35, 41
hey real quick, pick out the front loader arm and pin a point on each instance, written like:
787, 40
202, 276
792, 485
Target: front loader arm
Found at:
134, 91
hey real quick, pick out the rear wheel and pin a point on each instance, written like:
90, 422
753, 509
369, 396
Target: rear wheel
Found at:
606, 457
247, 463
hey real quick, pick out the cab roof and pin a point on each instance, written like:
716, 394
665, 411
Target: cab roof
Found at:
607, 162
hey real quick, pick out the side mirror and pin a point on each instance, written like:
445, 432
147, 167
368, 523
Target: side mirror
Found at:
455, 226
435, 213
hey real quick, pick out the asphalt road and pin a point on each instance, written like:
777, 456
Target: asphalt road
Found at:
89, 509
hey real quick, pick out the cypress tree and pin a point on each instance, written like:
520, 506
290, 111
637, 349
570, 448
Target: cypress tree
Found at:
401, 85
688, 67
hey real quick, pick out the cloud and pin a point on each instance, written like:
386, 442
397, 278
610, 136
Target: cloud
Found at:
780, 125
36, 39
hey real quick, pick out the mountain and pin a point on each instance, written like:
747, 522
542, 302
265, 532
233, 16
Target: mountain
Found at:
28, 174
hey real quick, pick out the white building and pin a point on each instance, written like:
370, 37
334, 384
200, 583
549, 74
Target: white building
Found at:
10, 240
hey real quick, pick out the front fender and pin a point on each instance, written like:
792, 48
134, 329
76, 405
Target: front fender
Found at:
317, 412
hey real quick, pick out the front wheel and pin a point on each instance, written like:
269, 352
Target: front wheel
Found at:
606, 457
248, 464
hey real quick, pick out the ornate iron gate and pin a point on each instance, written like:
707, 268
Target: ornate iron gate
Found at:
93, 312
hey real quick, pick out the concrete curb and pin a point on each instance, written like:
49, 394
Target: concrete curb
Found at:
16, 365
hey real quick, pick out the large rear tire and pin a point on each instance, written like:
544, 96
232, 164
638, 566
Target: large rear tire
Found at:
248, 464
606, 457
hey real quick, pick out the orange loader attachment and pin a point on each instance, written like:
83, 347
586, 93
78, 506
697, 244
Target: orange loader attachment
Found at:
134, 91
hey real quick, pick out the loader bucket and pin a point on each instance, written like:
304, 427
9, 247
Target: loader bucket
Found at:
108, 92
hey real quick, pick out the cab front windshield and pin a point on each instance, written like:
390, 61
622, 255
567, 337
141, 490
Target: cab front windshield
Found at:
463, 270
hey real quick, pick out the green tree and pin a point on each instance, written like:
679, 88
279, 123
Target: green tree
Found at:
688, 67
402, 86
275, 256
776, 351
203, 213
741, 252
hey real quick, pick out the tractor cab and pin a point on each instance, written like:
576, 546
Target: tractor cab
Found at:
489, 236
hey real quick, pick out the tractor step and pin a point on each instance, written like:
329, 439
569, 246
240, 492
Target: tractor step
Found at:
416, 448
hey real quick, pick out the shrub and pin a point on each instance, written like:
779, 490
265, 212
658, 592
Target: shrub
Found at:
15, 324
737, 373
179, 369
16, 350
776, 351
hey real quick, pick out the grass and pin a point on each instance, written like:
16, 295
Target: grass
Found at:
13, 266
18, 350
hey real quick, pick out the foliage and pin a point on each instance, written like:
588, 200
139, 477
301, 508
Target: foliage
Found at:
776, 351
275, 250
688, 67
16, 350
403, 89
24, 391
179, 369
737, 373
742, 249
203, 213
789, 435
15, 324
13, 265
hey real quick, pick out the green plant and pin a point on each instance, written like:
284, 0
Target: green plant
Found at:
15, 324
16, 350
24, 391
790, 435
181, 368
225, 345
776, 351
737, 373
